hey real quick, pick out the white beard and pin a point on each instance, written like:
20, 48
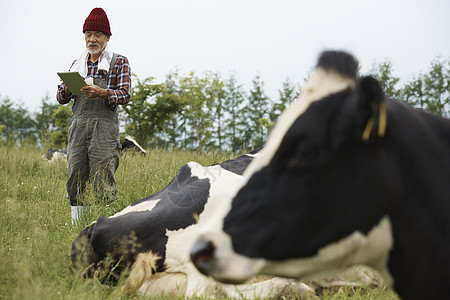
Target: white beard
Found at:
92, 52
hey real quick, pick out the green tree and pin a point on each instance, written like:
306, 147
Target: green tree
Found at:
266, 123
288, 94
19, 125
45, 124
149, 108
26, 126
235, 122
431, 91
198, 110
383, 72
8, 120
173, 127
2, 127
61, 117
258, 106
215, 91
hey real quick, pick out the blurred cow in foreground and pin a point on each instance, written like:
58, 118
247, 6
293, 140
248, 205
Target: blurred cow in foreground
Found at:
348, 176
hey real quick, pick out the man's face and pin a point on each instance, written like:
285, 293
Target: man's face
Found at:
95, 41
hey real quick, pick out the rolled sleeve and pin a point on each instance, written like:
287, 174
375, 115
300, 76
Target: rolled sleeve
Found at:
60, 92
60, 95
119, 93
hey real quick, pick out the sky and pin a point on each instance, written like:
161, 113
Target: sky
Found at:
279, 39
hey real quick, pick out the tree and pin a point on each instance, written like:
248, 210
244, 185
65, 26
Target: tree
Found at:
7, 119
258, 106
26, 126
61, 117
151, 106
45, 124
383, 73
235, 121
288, 94
431, 91
197, 112
215, 91
2, 128
172, 128
19, 125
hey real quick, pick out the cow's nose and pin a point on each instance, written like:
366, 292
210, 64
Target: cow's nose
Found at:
202, 255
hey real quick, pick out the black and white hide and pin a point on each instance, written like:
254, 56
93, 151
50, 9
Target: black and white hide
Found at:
155, 234
348, 176
130, 144
53, 155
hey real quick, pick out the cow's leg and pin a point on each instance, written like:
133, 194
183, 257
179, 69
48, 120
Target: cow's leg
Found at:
165, 284
274, 288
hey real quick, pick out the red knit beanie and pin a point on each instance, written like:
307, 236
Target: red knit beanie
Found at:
97, 21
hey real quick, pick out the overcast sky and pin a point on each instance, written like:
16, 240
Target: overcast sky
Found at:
278, 39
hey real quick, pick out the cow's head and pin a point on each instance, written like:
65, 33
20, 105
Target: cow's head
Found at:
316, 198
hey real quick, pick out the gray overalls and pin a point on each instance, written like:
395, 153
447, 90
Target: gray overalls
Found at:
94, 146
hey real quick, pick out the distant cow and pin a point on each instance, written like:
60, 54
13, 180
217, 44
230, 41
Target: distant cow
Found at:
348, 176
55, 154
156, 233
130, 144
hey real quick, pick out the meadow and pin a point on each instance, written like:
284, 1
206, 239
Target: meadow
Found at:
36, 231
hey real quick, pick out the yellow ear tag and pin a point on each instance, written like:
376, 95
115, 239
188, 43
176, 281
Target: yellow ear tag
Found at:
382, 119
368, 129
381, 122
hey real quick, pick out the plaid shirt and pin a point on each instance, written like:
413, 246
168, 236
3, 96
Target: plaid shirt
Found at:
119, 82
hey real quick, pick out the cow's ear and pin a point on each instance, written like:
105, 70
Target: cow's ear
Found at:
372, 107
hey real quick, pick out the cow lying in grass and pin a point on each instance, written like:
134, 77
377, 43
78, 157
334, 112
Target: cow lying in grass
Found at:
128, 145
53, 155
347, 176
154, 235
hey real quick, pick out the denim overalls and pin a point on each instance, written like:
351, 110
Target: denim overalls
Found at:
94, 146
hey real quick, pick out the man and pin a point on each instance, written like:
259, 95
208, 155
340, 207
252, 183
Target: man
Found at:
94, 144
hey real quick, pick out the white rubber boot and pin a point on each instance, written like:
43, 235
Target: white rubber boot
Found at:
77, 212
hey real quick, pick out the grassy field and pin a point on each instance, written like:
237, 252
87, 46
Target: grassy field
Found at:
36, 232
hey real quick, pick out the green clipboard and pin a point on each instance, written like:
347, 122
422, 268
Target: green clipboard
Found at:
73, 81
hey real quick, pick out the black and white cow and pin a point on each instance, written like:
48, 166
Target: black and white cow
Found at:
129, 143
156, 233
55, 154
348, 176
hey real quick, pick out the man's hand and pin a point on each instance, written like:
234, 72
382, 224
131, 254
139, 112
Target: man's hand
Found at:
93, 91
67, 93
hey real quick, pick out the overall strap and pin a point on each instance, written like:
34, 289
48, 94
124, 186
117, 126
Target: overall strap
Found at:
113, 61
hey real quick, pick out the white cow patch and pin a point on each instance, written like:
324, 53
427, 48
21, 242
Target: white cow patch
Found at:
135, 143
143, 206
357, 249
372, 250
222, 184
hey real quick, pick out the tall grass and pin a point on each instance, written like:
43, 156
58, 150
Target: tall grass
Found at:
35, 226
